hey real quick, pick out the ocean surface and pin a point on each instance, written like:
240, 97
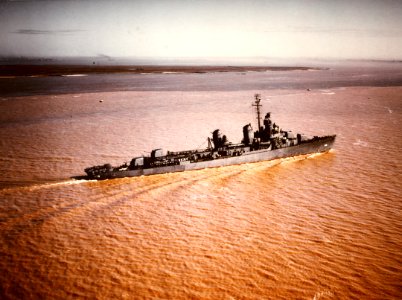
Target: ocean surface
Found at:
324, 226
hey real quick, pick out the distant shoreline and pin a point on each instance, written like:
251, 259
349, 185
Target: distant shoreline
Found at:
60, 70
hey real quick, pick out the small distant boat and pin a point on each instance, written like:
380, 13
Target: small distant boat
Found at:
267, 143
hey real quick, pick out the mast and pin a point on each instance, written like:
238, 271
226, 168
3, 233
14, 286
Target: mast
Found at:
257, 106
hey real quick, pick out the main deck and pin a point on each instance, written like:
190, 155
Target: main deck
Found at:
316, 145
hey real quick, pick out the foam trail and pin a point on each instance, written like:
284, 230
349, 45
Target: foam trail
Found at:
46, 185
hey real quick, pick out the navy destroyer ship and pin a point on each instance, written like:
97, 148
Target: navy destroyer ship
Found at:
269, 142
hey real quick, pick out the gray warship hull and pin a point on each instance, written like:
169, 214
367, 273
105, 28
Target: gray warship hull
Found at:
318, 145
269, 142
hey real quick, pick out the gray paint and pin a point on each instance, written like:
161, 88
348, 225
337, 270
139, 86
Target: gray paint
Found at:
318, 146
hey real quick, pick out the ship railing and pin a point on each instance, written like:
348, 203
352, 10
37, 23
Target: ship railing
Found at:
185, 152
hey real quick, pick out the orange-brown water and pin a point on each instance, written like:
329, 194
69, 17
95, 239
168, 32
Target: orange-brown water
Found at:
325, 226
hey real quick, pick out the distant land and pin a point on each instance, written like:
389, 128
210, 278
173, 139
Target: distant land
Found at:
60, 70
103, 64
105, 60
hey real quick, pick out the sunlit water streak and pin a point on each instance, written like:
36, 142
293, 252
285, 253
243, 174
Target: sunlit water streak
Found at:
321, 226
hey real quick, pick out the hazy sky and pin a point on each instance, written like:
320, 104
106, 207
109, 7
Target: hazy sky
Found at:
302, 28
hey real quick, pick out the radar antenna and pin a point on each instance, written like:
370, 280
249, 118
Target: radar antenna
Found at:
257, 107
